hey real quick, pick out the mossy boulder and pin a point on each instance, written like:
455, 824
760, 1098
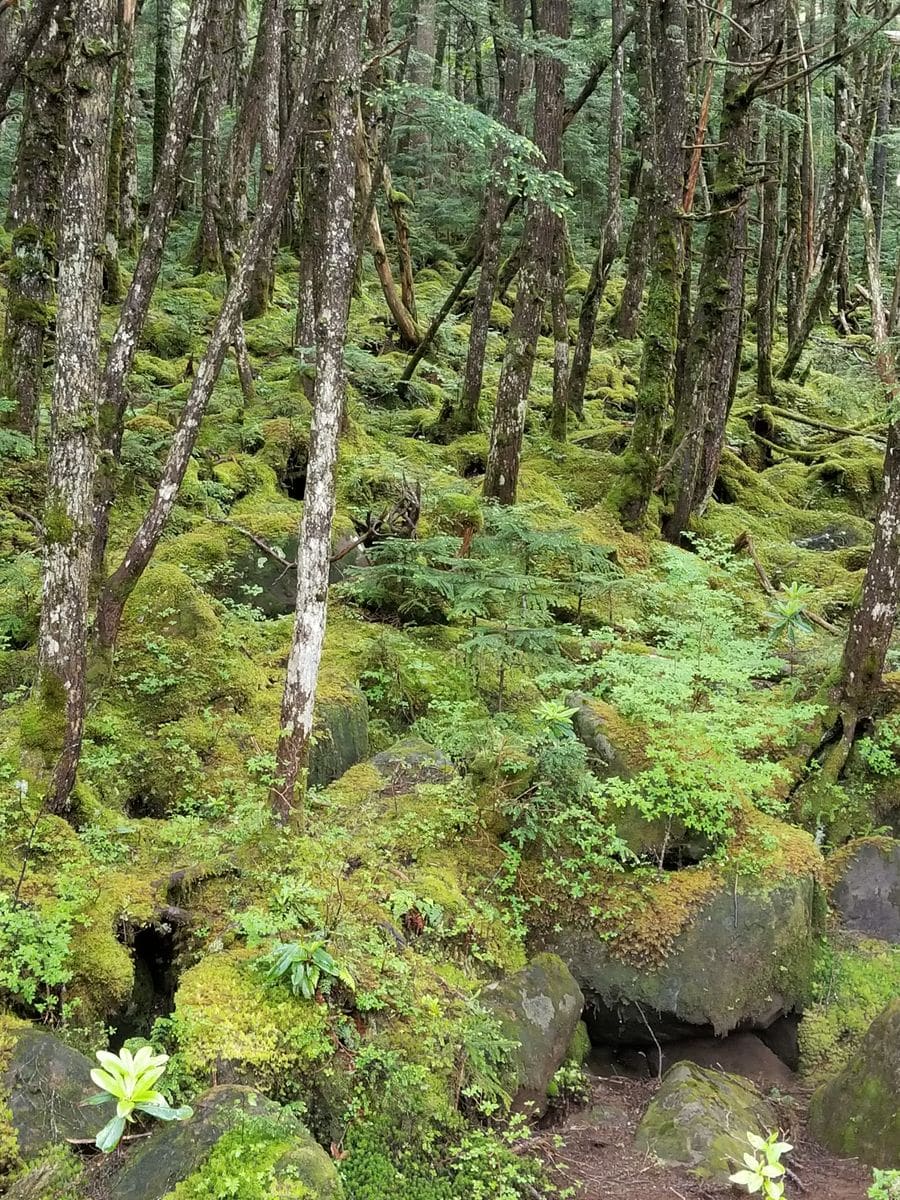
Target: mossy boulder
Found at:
56, 1174
866, 887
410, 762
342, 736
699, 1119
857, 1112
538, 1008
47, 1082
744, 956
598, 728
173, 1161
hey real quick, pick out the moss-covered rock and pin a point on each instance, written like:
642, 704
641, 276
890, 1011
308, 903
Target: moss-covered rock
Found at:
866, 887
55, 1174
47, 1083
539, 1009
699, 1119
857, 1113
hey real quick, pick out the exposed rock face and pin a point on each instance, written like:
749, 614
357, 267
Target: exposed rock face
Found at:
342, 736
177, 1150
857, 1113
740, 1054
699, 1119
867, 892
47, 1082
744, 958
538, 1007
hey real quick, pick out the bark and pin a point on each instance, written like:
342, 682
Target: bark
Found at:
162, 80
33, 219
264, 275
880, 151
665, 181
797, 182
120, 359
611, 233
560, 407
398, 204
314, 550
538, 246
112, 276
20, 48
128, 229
510, 19
263, 228
767, 270
62, 639
637, 255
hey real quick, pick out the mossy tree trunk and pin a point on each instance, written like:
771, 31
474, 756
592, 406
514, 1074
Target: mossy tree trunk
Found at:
507, 21
338, 259
162, 80
260, 294
33, 215
611, 232
263, 228
880, 148
667, 72
538, 248
560, 407
62, 640
133, 314
19, 48
767, 266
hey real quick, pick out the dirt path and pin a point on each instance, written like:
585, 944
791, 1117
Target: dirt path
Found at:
591, 1149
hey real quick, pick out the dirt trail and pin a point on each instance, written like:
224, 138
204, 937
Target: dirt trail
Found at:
591, 1149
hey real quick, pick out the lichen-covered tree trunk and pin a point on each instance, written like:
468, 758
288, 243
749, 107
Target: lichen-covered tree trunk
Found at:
880, 149
33, 219
62, 639
767, 267
261, 285
538, 246
112, 276
263, 228
314, 550
129, 231
20, 47
665, 181
507, 19
120, 358
611, 233
162, 80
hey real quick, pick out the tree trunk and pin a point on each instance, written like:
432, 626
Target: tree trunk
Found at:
129, 232
611, 233
119, 360
263, 228
112, 276
33, 218
20, 47
162, 80
509, 20
665, 181
261, 285
767, 270
880, 151
62, 639
560, 408
314, 550
538, 248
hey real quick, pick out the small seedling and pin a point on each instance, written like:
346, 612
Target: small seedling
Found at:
763, 1170
131, 1081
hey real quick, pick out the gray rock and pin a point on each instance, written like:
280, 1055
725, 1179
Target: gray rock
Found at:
699, 1119
412, 761
858, 1113
47, 1083
342, 736
539, 1008
867, 892
744, 958
834, 537
593, 729
741, 1054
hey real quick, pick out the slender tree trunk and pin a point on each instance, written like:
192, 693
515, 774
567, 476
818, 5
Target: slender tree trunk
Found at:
33, 218
560, 408
20, 47
314, 550
668, 69
264, 276
112, 276
767, 270
502, 474
120, 359
611, 233
121, 583
880, 150
162, 80
398, 205
637, 254
128, 230
509, 21
62, 639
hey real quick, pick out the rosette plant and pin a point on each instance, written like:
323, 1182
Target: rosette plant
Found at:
130, 1080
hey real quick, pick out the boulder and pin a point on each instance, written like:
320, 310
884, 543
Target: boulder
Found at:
538, 1008
47, 1083
741, 1054
857, 1113
412, 761
699, 1120
342, 736
594, 723
866, 891
177, 1150
743, 958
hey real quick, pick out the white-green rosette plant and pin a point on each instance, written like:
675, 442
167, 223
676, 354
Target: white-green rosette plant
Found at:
130, 1080
764, 1171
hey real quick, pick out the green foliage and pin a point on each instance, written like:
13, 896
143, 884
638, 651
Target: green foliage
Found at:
35, 954
307, 967
763, 1169
885, 1186
130, 1080
249, 1162
879, 751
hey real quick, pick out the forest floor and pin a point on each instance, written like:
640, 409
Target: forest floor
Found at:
592, 1150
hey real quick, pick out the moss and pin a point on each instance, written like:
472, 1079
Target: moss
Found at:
165, 336
579, 1046
158, 372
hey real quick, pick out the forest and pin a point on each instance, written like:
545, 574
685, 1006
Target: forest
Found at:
449, 565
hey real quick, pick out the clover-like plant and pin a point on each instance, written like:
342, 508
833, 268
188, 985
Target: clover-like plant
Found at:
304, 965
763, 1170
130, 1080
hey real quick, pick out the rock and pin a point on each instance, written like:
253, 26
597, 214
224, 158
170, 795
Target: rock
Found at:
594, 726
857, 1113
783, 1039
739, 1054
743, 959
538, 1007
177, 1150
410, 762
866, 893
834, 537
47, 1083
699, 1119
342, 736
